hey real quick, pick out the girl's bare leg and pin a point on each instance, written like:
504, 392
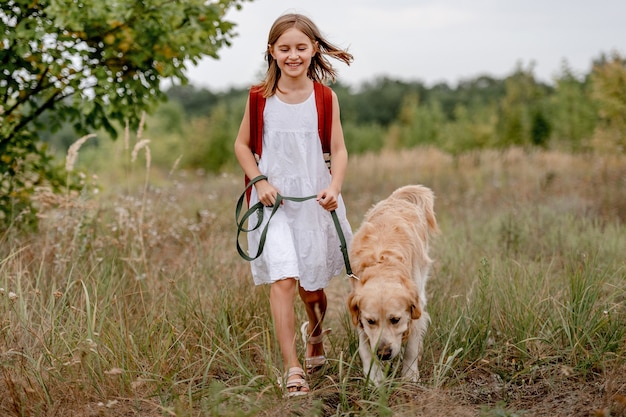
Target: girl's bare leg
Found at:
315, 305
282, 295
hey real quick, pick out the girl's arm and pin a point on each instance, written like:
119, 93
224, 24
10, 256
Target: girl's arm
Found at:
266, 192
328, 198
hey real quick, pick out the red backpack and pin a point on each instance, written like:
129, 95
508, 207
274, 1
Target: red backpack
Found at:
324, 104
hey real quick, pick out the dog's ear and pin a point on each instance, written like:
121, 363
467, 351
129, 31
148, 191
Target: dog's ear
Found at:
353, 307
416, 311
414, 308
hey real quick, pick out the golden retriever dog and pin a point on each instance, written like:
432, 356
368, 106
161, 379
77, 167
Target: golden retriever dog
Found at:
389, 255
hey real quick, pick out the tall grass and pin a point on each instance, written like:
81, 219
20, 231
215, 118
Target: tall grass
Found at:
133, 301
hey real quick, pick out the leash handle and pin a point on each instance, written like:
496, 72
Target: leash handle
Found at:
258, 208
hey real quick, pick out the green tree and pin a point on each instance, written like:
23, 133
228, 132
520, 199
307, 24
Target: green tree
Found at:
471, 128
480, 91
418, 123
195, 102
363, 137
378, 102
609, 93
209, 140
522, 119
572, 111
91, 63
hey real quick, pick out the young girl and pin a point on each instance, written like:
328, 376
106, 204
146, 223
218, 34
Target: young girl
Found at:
302, 249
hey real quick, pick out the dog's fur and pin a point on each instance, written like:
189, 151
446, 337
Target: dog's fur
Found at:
389, 255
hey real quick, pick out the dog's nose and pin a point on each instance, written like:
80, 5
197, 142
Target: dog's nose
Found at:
384, 352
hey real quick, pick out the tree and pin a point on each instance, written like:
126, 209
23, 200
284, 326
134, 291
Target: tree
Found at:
379, 101
609, 93
521, 117
573, 112
419, 124
92, 63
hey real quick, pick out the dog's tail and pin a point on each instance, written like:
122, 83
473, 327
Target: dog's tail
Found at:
422, 197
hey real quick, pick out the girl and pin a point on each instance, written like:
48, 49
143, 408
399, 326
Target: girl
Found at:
302, 246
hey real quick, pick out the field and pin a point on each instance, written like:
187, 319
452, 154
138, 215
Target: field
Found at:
133, 301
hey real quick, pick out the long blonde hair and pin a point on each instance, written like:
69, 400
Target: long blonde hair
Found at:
320, 69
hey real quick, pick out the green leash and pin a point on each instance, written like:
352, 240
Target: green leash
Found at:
258, 208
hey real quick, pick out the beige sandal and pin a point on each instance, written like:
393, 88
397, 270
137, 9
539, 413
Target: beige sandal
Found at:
313, 363
299, 385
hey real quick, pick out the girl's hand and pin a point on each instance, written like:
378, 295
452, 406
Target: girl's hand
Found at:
266, 192
328, 199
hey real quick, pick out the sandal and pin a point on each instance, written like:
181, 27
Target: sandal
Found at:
298, 385
313, 363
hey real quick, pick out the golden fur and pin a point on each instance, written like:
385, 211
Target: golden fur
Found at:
389, 255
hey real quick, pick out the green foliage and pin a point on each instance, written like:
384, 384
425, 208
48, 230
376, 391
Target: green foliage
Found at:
93, 63
475, 92
572, 113
471, 128
521, 120
609, 93
167, 128
24, 166
361, 138
209, 141
201, 102
419, 124
377, 102
477, 113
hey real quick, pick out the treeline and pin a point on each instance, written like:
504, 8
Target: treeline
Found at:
577, 112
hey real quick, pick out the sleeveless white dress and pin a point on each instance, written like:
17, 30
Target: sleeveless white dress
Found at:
301, 241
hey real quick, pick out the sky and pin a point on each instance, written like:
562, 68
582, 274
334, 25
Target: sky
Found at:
428, 40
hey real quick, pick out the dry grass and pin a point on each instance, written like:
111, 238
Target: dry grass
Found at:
133, 301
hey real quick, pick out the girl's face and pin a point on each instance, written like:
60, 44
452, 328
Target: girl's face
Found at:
293, 52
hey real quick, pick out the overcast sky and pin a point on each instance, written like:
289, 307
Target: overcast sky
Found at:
429, 40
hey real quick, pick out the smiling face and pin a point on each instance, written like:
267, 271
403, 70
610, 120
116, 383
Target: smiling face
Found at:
293, 52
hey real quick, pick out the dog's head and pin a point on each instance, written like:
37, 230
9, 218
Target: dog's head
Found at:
384, 313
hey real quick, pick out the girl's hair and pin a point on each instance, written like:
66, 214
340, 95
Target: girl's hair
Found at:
320, 69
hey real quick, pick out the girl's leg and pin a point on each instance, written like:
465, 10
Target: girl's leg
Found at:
282, 295
315, 305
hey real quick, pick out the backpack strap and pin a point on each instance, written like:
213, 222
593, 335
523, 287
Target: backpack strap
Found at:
257, 105
324, 104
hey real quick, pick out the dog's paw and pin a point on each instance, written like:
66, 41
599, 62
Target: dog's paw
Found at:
374, 374
411, 373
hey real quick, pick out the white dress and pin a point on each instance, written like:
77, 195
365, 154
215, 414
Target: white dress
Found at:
301, 241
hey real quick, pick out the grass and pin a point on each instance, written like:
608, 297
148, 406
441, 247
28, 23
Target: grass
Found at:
133, 301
